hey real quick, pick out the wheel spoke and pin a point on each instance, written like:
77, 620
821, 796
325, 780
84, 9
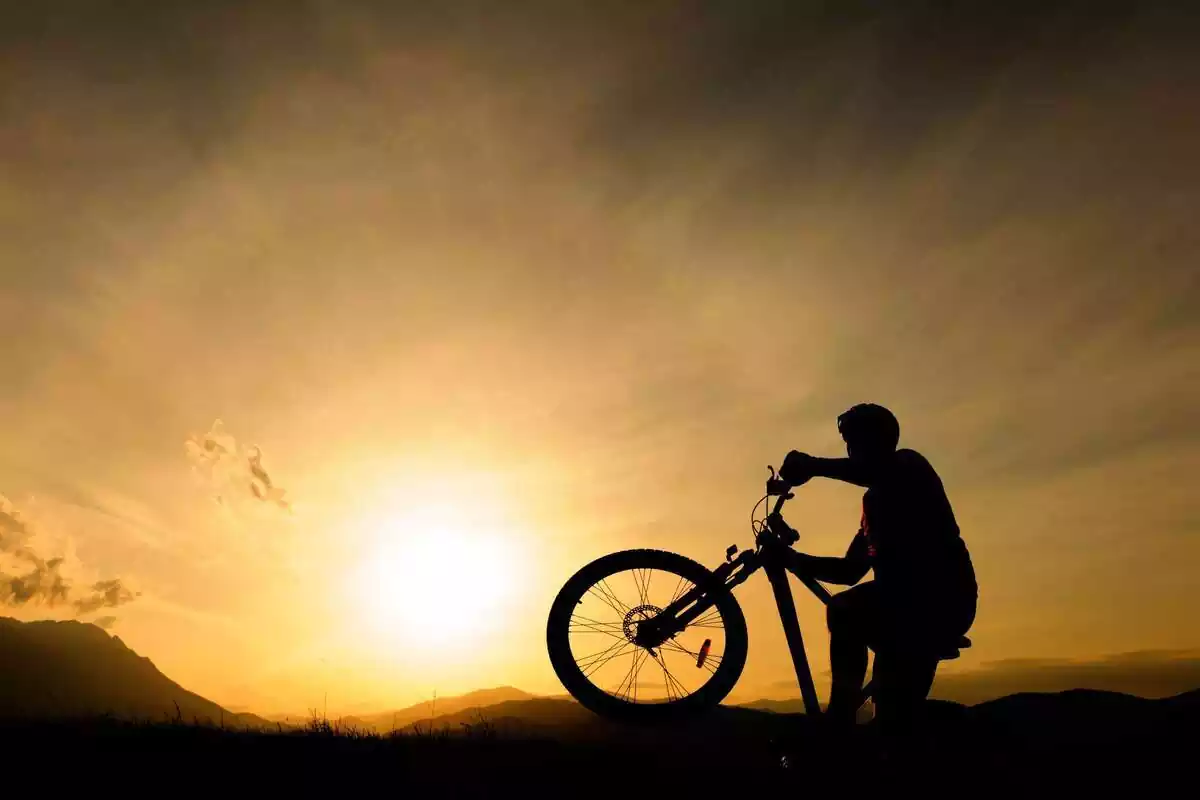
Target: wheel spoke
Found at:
622, 609
628, 675
585, 627
617, 692
608, 599
598, 624
591, 659
671, 681
597, 660
681, 588
709, 619
666, 677
641, 579
711, 662
642, 656
629, 683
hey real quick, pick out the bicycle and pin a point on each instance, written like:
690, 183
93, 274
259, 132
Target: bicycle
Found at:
697, 609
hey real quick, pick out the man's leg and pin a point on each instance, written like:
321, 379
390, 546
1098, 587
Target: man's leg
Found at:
914, 630
851, 616
901, 682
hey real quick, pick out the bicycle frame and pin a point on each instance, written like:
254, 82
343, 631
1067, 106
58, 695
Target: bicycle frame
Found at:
775, 555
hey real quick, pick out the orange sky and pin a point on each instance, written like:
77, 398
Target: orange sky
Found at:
527, 289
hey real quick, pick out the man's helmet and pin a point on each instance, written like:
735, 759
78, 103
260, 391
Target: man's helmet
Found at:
869, 428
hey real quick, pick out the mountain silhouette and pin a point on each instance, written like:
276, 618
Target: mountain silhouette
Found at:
401, 718
53, 670
1077, 719
1083, 717
792, 705
70, 670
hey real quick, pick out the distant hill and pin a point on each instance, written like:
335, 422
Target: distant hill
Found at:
533, 715
793, 705
458, 704
1150, 673
1077, 718
1083, 716
565, 720
70, 669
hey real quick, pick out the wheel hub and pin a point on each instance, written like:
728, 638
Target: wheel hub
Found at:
634, 619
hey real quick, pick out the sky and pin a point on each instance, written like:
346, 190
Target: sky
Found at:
485, 291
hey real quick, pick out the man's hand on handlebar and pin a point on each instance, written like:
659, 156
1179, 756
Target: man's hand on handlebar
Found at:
777, 487
798, 468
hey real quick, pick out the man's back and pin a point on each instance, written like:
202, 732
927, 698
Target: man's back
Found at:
910, 525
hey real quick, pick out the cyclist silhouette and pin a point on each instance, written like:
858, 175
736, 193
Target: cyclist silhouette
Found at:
924, 594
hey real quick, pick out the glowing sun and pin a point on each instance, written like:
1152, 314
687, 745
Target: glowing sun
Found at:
432, 580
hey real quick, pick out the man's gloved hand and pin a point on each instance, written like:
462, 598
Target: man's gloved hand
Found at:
798, 468
778, 486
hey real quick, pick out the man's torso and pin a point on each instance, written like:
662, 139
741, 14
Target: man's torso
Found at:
912, 536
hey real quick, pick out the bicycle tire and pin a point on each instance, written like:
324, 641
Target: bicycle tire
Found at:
607, 705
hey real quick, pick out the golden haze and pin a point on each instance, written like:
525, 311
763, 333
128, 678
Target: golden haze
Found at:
494, 302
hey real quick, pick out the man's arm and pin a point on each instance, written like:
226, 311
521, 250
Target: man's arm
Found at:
799, 468
845, 571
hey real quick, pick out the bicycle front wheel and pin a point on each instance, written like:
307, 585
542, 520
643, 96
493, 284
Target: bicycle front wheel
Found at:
591, 630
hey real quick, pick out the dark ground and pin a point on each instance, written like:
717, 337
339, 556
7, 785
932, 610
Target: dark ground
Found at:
1026, 744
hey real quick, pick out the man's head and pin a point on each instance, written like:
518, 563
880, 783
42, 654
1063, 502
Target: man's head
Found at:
871, 432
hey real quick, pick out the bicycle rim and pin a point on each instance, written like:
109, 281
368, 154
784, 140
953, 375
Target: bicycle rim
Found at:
591, 630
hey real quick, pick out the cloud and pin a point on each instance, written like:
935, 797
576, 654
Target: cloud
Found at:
38, 580
42, 583
104, 623
14, 532
231, 471
105, 594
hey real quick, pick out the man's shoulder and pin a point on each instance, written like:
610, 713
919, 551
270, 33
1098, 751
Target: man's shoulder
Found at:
909, 464
907, 457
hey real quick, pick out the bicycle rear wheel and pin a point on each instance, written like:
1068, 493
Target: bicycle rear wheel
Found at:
590, 638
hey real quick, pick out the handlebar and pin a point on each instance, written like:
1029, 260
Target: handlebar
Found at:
782, 492
778, 488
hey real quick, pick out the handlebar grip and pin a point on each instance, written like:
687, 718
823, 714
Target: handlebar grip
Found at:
776, 487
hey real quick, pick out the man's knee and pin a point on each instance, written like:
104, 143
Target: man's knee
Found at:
843, 613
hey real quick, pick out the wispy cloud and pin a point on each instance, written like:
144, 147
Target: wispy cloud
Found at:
37, 580
233, 472
104, 594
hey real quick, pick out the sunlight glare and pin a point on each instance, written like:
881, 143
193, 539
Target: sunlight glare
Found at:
437, 580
